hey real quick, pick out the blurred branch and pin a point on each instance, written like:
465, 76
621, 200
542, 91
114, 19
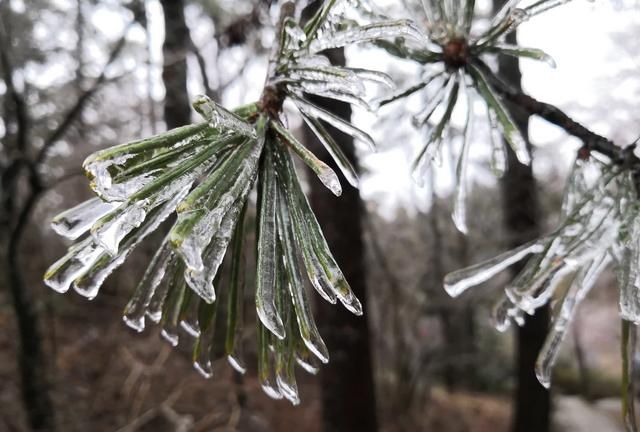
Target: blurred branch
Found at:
22, 118
76, 110
591, 140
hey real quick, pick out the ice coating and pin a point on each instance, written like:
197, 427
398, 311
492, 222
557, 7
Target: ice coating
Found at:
76, 221
221, 118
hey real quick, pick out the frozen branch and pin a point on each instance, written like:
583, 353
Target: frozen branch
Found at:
591, 140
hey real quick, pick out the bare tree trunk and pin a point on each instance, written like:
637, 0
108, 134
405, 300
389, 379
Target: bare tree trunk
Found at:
177, 110
348, 399
522, 215
14, 220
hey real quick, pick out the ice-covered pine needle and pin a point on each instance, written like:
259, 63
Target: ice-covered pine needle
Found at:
452, 54
600, 226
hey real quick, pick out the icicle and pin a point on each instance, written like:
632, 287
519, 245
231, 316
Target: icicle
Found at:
342, 125
220, 118
207, 315
459, 215
457, 282
202, 282
306, 326
508, 127
76, 221
324, 266
77, 261
498, 150
326, 175
158, 297
284, 350
629, 293
265, 369
313, 267
90, 281
304, 357
266, 272
577, 291
172, 307
135, 310
502, 313
343, 162
431, 149
235, 305
189, 314
435, 100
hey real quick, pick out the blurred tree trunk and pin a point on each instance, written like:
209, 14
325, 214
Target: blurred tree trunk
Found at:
177, 109
522, 219
15, 212
348, 391
456, 316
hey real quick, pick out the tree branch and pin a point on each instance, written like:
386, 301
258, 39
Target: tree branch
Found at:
591, 140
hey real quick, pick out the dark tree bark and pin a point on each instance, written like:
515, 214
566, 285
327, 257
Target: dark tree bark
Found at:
177, 110
32, 366
532, 404
348, 396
